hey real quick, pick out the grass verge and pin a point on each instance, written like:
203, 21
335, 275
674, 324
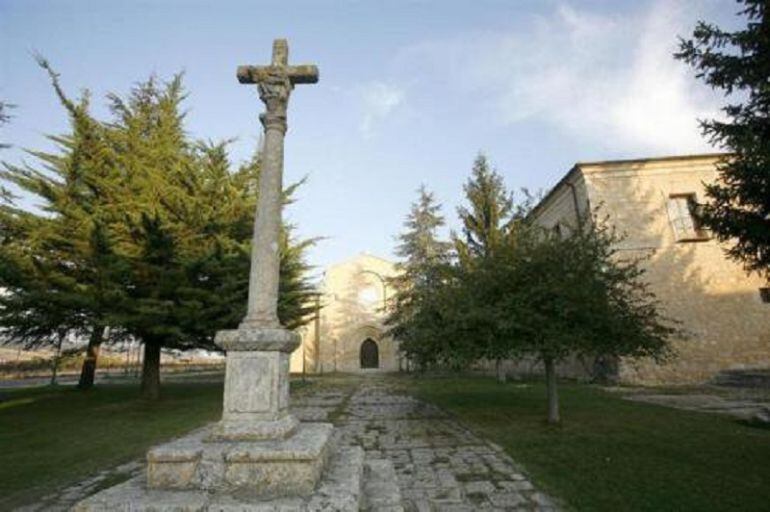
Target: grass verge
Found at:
612, 454
51, 437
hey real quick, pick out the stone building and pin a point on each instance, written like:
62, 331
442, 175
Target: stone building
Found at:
348, 334
651, 201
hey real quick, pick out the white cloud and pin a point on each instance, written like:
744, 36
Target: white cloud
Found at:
379, 101
603, 78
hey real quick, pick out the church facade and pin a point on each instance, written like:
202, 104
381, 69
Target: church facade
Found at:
724, 311
347, 334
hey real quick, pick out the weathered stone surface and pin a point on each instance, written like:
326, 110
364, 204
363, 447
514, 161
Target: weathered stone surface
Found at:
439, 465
740, 407
257, 448
717, 303
263, 339
275, 83
381, 490
434, 461
762, 416
277, 467
254, 430
340, 490
353, 293
256, 389
256, 395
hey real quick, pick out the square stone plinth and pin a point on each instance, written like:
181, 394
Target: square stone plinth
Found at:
280, 467
341, 489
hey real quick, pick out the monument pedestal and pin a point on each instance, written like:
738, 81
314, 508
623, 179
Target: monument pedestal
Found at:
258, 457
256, 401
283, 467
340, 489
258, 446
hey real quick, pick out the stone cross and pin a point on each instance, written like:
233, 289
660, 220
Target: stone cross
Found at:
256, 401
275, 83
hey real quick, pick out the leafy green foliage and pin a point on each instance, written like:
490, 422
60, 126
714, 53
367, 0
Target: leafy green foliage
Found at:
51, 256
518, 290
738, 63
139, 229
421, 274
615, 454
486, 219
576, 294
5, 117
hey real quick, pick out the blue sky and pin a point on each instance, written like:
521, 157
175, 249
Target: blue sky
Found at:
410, 91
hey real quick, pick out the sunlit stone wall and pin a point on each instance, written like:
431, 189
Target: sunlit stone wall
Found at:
718, 304
353, 294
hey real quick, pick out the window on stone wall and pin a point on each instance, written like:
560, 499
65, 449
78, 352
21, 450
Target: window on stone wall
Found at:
682, 213
764, 294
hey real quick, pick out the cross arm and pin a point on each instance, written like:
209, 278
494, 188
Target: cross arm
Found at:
302, 74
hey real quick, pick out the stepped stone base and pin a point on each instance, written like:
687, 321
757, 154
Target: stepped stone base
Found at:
342, 488
758, 378
279, 467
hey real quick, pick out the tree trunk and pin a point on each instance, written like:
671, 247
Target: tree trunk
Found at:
88, 370
553, 395
150, 388
56, 358
500, 371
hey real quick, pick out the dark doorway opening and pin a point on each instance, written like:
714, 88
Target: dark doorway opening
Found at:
370, 354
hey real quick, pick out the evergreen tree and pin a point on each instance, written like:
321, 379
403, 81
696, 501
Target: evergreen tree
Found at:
739, 64
486, 219
5, 117
193, 219
142, 231
421, 273
52, 263
487, 224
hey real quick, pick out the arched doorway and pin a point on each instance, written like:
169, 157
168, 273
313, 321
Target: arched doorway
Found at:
370, 354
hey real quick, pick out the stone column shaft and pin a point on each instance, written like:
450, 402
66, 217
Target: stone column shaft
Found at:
262, 310
256, 396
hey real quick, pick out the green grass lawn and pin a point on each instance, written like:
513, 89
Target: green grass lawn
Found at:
52, 437
612, 454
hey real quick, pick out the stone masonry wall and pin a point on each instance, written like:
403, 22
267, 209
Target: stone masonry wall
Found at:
352, 311
717, 302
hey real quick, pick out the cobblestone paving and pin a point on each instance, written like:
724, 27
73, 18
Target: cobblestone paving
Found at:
755, 406
441, 466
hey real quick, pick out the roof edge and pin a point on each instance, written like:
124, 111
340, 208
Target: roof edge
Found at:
577, 168
695, 156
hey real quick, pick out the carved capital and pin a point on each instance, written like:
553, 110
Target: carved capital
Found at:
274, 91
274, 121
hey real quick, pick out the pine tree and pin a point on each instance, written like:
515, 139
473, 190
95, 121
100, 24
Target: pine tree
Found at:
193, 221
486, 225
421, 273
486, 219
143, 232
738, 210
5, 117
51, 262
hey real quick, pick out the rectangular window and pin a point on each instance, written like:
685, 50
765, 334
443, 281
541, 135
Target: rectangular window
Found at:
764, 294
682, 209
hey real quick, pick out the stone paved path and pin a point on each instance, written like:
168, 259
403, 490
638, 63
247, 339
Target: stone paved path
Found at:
440, 465
743, 404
